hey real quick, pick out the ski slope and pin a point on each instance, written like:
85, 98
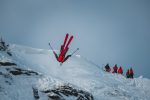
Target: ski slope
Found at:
76, 71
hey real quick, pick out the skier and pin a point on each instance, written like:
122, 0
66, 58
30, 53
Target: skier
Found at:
115, 69
131, 73
127, 74
120, 71
107, 68
63, 50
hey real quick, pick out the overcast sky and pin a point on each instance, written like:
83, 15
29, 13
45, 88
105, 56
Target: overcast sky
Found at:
106, 31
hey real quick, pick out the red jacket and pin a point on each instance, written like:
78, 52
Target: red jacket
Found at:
120, 71
131, 71
62, 54
115, 69
61, 58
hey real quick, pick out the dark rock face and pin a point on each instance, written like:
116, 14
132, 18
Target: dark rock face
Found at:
35, 93
19, 71
7, 64
66, 91
9, 53
4, 47
15, 70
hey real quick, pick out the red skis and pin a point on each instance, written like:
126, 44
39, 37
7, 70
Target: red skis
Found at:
65, 40
64, 47
69, 42
63, 50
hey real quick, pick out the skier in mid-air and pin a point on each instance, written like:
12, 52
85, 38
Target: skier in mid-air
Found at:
63, 50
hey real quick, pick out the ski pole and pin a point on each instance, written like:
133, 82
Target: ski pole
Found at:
75, 51
51, 47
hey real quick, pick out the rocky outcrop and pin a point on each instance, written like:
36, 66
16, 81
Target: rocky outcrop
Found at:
7, 64
19, 71
10, 70
66, 91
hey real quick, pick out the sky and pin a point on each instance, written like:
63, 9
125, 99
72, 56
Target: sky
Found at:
106, 31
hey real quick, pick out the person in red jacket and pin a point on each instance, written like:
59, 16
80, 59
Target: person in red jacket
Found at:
63, 50
120, 71
115, 69
131, 73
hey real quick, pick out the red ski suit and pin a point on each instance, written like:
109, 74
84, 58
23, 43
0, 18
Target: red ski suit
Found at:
115, 69
63, 50
120, 71
62, 54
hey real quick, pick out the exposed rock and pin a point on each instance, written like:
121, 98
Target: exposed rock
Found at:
35, 93
7, 64
9, 53
16, 72
19, 71
4, 47
65, 91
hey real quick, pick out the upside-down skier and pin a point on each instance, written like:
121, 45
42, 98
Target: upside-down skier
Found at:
63, 50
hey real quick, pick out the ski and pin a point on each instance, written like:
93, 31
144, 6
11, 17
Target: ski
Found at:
66, 38
69, 42
63, 45
66, 47
51, 47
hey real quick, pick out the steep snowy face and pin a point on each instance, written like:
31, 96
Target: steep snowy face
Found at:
37, 73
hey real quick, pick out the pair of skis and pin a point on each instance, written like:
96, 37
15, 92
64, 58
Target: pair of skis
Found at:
64, 47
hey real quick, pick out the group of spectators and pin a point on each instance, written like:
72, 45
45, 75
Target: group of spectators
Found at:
129, 73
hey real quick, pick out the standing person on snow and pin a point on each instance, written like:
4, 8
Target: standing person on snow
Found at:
127, 74
107, 68
115, 69
120, 70
131, 73
63, 50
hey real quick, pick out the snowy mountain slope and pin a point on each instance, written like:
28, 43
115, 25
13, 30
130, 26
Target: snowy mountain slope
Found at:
78, 72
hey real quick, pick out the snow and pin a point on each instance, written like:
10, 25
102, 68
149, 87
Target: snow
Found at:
78, 71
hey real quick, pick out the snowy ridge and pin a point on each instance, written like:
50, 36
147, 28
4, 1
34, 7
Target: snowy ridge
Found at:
77, 72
